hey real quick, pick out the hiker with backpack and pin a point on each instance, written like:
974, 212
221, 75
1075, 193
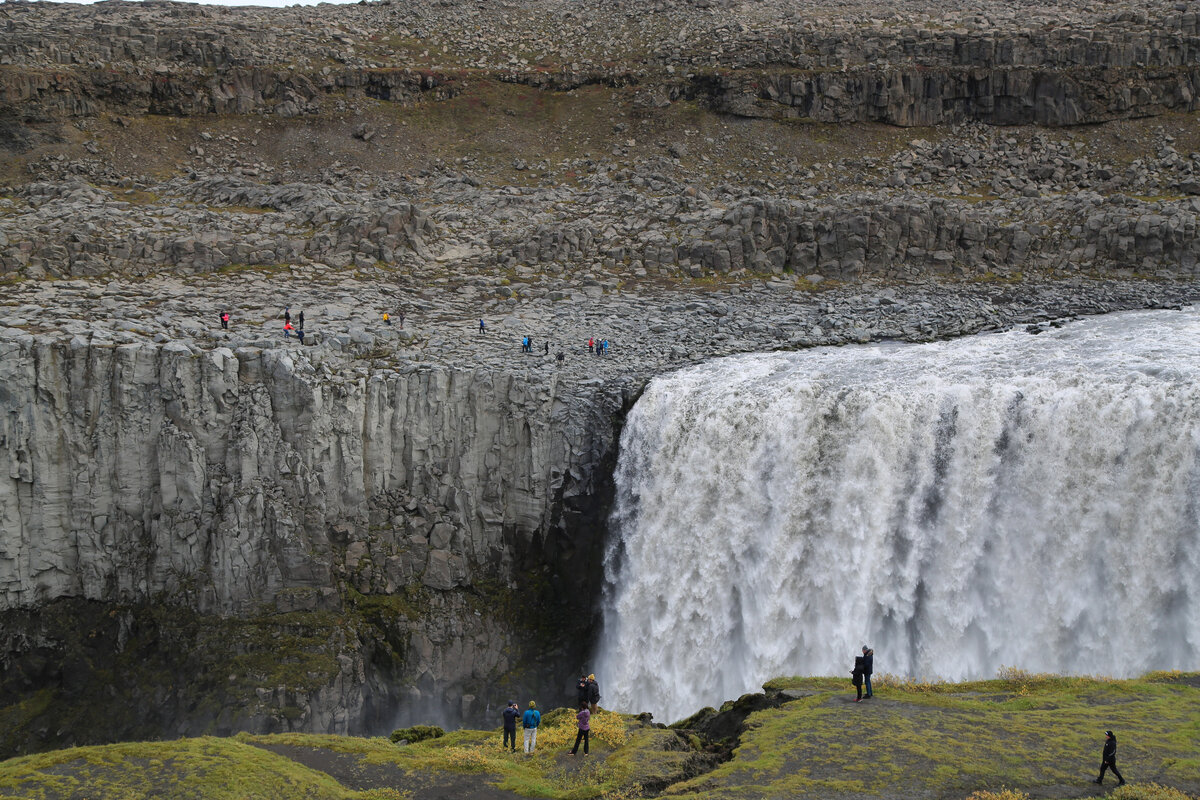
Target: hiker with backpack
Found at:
530, 721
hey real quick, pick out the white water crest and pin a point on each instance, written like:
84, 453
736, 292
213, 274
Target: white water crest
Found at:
1001, 500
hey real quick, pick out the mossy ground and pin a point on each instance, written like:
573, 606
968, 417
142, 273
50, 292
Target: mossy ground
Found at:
1041, 734
1038, 736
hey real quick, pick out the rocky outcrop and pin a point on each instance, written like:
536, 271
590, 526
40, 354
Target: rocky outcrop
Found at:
66, 229
912, 95
907, 237
72, 228
995, 66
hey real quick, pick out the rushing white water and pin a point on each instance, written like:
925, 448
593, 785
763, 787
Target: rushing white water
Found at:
1007, 499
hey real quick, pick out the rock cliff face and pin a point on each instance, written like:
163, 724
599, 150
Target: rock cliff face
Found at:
75, 229
240, 483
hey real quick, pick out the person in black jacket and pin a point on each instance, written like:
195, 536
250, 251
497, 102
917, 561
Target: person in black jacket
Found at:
868, 658
1109, 759
510, 725
856, 677
593, 696
581, 690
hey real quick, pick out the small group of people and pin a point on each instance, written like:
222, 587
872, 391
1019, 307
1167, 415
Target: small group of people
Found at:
599, 347
530, 721
588, 696
288, 327
387, 319
864, 665
527, 345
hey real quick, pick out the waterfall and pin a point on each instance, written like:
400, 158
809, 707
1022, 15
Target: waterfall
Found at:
1001, 500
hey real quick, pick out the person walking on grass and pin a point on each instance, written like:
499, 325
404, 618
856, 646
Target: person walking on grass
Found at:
1108, 759
868, 667
530, 721
511, 712
585, 729
856, 677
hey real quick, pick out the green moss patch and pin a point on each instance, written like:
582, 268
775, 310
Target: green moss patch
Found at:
1042, 734
203, 769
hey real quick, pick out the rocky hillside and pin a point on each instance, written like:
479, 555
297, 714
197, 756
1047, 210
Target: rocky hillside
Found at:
393, 523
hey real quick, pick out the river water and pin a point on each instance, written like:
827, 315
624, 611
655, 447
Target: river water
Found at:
1000, 500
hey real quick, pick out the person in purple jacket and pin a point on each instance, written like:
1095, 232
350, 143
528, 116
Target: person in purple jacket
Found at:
583, 718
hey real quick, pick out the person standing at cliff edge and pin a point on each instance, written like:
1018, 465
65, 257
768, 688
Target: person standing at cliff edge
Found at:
1108, 760
856, 677
530, 721
581, 690
868, 667
593, 693
511, 712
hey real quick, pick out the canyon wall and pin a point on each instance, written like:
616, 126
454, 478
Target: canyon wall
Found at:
242, 485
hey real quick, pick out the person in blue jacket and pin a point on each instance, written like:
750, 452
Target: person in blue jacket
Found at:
530, 721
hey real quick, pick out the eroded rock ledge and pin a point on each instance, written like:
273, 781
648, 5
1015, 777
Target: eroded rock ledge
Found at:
385, 523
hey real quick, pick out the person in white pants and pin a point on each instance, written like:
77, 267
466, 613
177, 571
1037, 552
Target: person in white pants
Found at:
530, 721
